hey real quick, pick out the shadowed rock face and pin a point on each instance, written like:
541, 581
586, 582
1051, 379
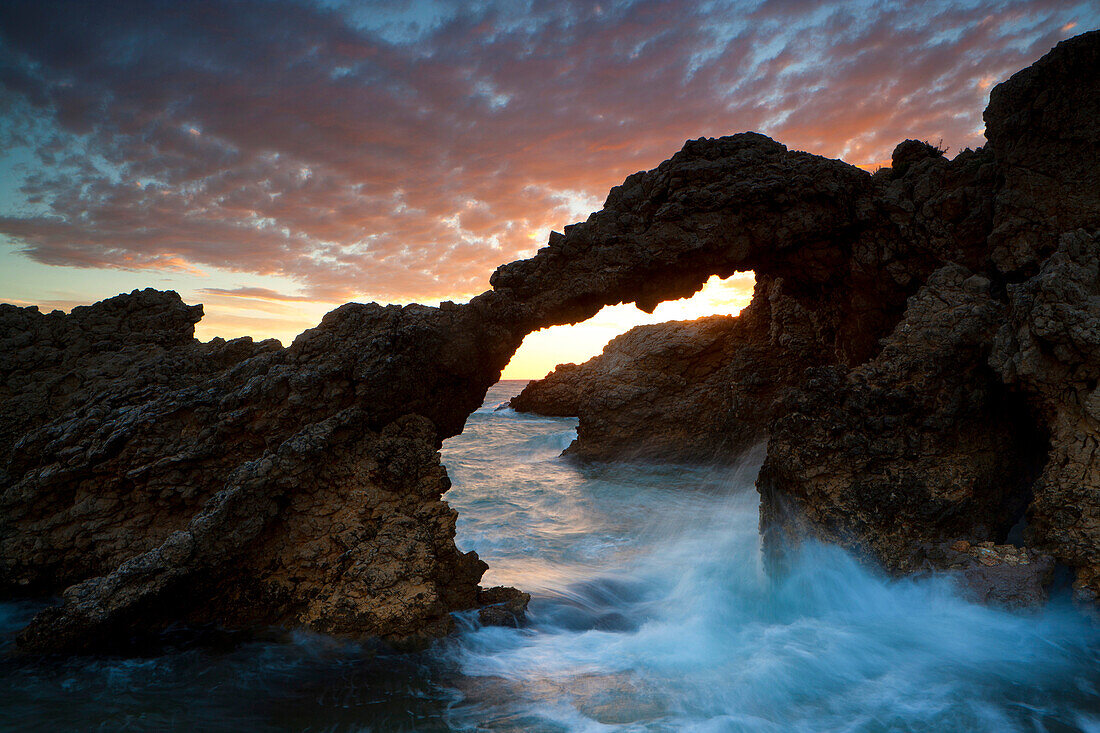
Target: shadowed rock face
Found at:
920, 442
151, 478
1049, 349
979, 391
1042, 127
849, 249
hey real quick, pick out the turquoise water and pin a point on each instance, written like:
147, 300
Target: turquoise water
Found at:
650, 612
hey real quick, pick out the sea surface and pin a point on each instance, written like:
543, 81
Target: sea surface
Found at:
650, 612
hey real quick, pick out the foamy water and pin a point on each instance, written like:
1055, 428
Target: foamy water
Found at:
650, 612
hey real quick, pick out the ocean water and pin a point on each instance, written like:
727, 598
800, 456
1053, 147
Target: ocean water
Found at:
650, 612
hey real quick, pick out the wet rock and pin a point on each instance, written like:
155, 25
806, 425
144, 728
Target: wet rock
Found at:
975, 445
1002, 575
502, 606
1049, 349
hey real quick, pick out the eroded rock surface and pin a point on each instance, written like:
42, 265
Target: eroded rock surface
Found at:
1050, 350
1017, 408
234, 482
838, 298
921, 442
949, 308
77, 370
1042, 128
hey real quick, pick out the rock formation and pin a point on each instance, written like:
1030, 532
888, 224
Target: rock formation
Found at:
154, 478
941, 429
1004, 435
948, 309
1049, 350
922, 442
823, 297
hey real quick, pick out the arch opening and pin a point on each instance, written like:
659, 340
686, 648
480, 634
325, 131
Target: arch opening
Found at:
544, 349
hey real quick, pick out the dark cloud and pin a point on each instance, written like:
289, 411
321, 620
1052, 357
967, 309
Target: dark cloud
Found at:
368, 151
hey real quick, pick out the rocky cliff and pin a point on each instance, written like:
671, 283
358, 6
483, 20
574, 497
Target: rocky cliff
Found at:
948, 310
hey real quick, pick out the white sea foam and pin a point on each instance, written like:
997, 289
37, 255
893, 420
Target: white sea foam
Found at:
652, 612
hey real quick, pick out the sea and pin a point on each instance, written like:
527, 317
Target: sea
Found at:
650, 611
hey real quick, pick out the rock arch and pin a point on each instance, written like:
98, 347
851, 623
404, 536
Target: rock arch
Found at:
154, 478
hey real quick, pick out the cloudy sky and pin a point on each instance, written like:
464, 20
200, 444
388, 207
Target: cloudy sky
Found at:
272, 159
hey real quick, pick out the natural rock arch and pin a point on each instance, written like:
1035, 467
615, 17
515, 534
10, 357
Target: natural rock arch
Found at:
244, 483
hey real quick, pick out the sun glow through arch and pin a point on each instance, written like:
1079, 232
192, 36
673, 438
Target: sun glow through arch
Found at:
544, 349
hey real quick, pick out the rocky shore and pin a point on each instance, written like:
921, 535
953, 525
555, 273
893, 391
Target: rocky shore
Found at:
922, 355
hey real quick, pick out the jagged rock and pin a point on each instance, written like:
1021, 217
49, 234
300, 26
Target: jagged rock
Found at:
830, 301
339, 529
631, 401
296, 486
1044, 141
886, 453
77, 369
53, 364
502, 606
1050, 349
720, 206
910, 152
127, 473
1042, 129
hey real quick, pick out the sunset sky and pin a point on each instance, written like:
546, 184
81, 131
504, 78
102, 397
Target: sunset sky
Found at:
272, 160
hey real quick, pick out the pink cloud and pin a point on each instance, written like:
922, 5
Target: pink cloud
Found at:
255, 293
